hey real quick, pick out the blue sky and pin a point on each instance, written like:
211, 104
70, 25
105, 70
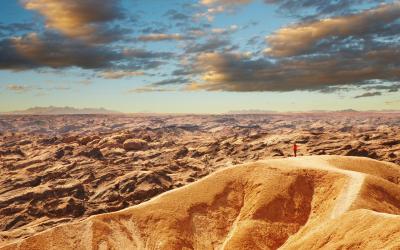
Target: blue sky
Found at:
200, 56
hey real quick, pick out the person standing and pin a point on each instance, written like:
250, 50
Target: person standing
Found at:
295, 149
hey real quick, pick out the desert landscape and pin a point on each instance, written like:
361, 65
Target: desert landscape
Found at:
199, 124
252, 193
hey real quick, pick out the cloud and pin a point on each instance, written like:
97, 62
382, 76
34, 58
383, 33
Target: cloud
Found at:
18, 88
301, 38
51, 50
240, 72
225, 2
210, 45
196, 32
83, 19
299, 8
14, 28
172, 81
160, 37
145, 54
392, 88
118, 74
176, 16
312, 8
162, 86
150, 88
368, 94
225, 31
214, 7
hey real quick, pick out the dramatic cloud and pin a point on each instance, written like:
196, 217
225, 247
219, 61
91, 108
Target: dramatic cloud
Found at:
239, 72
333, 45
50, 50
160, 37
301, 38
368, 94
83, 19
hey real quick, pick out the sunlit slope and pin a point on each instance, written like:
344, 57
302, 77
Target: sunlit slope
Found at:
298, 203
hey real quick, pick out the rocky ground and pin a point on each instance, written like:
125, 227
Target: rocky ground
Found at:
57, 169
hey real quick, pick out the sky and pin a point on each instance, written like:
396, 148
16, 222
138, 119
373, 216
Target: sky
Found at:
200, 56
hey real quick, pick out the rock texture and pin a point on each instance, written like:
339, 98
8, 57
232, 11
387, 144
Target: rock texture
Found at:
320, 202
64, 168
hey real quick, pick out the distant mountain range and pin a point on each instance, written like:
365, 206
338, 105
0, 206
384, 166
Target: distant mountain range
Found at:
256, 111
51, 110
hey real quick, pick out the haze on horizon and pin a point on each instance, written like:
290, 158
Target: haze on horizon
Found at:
200, 56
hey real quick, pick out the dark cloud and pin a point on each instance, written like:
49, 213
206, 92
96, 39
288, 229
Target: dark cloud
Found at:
172, 81
176, 15
185, 72
389, 88
145, 54
35, 51
154, 30
368, 94
54, 51
15, 28
240, 72
163, 85
209, 45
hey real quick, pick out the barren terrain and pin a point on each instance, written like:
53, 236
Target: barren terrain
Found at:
317, 202
64, 168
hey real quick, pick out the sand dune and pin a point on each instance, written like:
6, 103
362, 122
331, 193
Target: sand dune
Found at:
321, 202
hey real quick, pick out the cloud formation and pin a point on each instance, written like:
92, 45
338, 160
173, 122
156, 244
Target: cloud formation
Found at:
178, 80
332, 47
51, 50
145, 54
301, 38
83, 19
160, 37
315, 8
118, 74
211, 44
368, 94
240, 72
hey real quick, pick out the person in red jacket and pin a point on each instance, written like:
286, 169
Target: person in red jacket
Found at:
295, 149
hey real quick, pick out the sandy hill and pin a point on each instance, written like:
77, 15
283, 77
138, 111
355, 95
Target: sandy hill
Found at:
324, 202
